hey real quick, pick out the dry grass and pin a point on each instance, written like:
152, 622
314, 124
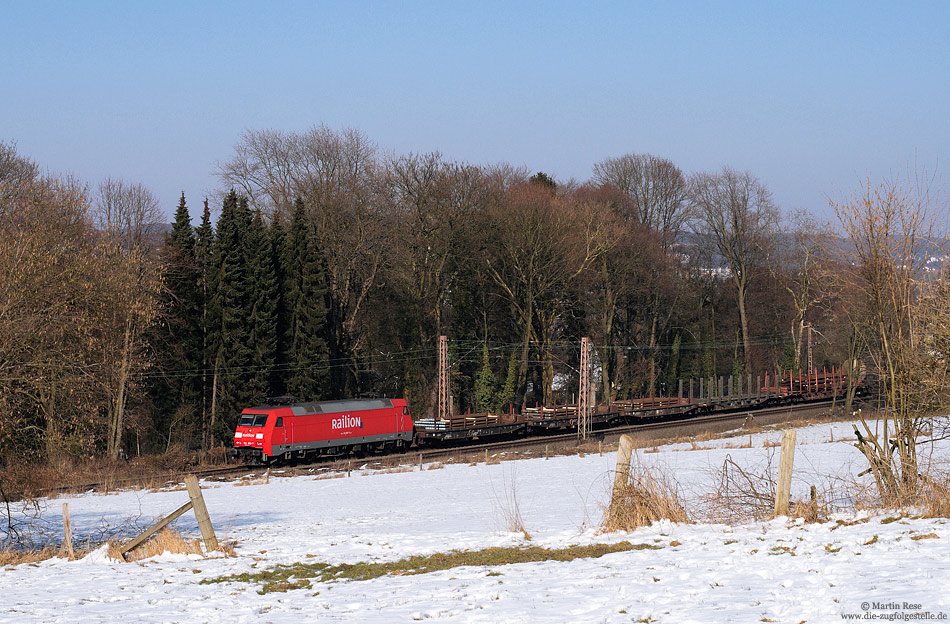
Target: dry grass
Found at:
397, 469
27, 479
12, 557
166, 540
649, 496
812, 510
934, 495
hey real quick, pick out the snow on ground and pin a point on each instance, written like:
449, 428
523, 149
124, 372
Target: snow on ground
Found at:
779, 571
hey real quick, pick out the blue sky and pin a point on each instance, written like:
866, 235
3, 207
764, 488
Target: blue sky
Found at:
810, 97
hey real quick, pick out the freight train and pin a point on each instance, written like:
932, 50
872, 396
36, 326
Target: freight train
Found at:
285, 430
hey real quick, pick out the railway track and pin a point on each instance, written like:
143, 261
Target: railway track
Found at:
664, 428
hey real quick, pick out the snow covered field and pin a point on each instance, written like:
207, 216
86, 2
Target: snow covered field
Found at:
778, 571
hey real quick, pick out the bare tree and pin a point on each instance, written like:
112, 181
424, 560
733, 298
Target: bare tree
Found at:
16, 173
128, 213
540, 245
49, 276
887, 227
654, 190
799, 266
653, 194
735, 217
432, 204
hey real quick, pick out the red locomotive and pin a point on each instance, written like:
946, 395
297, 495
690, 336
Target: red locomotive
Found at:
301, 430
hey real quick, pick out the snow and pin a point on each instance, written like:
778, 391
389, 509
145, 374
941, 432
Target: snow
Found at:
780, 570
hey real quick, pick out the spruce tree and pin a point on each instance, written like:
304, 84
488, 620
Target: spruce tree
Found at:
507, 393
177, 341
204, 260
229, 309
484, 384
262, 314
279, 257
305, 282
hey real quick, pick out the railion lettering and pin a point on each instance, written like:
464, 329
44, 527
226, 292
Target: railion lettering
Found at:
346, 422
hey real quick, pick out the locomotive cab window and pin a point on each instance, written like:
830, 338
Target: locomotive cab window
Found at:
280, 422
405, 411
252, 420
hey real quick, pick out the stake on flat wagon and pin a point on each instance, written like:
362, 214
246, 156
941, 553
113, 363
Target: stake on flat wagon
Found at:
784, 486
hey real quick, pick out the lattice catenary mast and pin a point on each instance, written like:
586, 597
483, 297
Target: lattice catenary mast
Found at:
584, 403
443, 378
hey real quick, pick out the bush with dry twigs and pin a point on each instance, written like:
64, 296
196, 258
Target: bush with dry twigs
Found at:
509, 507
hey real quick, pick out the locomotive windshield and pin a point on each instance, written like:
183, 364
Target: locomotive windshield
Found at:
252, 420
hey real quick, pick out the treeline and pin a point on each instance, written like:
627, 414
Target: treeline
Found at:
331, 271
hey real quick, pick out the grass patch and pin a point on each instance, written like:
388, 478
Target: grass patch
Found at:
12, 557
282, 578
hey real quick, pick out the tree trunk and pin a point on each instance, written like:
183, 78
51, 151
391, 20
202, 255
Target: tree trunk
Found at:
214, 398
743, 318
118, 408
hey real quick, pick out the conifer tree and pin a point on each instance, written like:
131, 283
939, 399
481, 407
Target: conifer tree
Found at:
484, 384
178, 344
204, 260
507, 392
262, 314
229, 307
308, 354
280, 256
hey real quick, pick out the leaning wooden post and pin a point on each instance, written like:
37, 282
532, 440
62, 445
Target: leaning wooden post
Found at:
68, 533
624, 453
784, 486
201, 513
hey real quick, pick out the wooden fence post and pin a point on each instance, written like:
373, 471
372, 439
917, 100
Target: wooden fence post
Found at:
784, 485
624, 453
68, 533
201, 513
